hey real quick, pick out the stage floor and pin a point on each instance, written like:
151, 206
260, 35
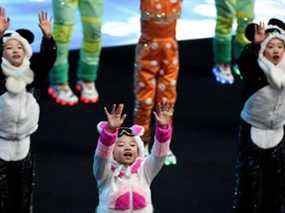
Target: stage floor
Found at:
121, 18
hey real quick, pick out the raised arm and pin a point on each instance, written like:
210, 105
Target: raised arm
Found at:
160, 149
108, 135
43, 62
247, 61
4, 25
4, 21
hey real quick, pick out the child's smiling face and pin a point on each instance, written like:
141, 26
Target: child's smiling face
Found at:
274, 50
125, 150
13, 51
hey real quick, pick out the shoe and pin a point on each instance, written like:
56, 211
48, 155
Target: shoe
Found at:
223, 74
63, 95
236, 71
170, 159
89, 93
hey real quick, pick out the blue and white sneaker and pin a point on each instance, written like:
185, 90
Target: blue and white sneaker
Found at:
223, 74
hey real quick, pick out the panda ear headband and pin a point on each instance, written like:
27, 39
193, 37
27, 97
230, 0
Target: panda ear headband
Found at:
25, 33
275, 24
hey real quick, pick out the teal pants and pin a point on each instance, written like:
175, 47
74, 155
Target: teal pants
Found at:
227, 12
91, 12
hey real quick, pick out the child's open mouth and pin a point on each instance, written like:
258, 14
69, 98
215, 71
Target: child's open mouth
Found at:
16, 56
128, 154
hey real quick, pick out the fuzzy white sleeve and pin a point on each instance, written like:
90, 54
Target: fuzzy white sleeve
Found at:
160, 149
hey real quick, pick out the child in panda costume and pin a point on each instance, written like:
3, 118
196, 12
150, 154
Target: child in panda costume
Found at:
122, 171
19, 111
260, 166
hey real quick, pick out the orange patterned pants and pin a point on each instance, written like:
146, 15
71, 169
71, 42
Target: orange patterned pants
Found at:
156, 73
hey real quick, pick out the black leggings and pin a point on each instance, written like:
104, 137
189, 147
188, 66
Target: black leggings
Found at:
16, 185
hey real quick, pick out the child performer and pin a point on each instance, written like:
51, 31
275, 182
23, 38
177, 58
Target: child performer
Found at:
19, 111
122, 171
227, 10
260, 166
156, 62
91, 12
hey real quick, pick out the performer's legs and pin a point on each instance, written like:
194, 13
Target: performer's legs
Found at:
64, 17
222, 41
247, 173
21, 184
16, 186
259, 178
146, 68
91, 17
167, 80
4, 195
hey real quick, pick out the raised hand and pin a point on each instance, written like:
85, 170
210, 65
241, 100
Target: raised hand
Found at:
163, 114
45, 24
4, 21
259, 32
115, 117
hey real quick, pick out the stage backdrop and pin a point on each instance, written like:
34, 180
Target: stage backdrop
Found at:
121, 18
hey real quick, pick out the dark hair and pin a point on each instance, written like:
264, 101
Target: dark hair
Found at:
125, 131
250, 31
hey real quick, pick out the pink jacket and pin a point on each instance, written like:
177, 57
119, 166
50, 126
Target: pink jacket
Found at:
127, 188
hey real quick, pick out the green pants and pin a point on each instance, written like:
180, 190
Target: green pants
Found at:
227, 11
91, 12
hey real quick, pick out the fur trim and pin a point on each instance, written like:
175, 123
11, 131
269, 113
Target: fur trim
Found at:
272, 27
22, 40
14, 85
275, 73
101, 125
137, 131
140, 146
269, 38
17, 77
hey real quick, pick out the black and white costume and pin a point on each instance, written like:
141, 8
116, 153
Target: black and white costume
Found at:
19, 116
260, 166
